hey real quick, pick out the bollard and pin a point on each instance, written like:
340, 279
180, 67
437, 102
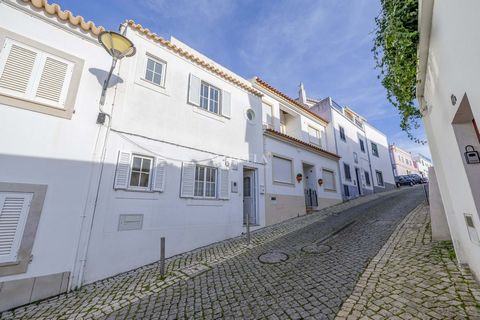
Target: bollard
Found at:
426, 192
162, 257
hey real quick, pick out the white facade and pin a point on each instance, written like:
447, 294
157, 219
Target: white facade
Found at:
296, 144
165, 124
377, 145
403, 162
47, 150
422, 163
448, 74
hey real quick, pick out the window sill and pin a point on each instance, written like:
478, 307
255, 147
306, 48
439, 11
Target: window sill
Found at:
330, 190
201, 202
149, 85
36, 106
286, 184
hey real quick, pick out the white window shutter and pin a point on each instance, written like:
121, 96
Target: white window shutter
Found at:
223, 182
226, 104
123, 170
158, 183
194, 90
14, 209
188, 180
17, 64
54, 81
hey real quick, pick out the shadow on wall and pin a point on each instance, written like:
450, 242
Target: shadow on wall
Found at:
101, 76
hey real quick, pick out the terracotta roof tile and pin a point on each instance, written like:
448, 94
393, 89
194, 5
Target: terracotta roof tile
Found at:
284, 96
65, 15
298, 141
207, 65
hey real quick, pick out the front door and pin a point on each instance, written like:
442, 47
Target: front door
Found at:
357, 173
249, 196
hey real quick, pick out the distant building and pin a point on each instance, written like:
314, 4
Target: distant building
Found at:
365, 164
402, 161
422, 164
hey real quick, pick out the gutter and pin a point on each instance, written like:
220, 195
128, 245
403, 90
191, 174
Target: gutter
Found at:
425, 14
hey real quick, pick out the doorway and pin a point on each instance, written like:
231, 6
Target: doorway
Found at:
359, 187
249, 197
309, 181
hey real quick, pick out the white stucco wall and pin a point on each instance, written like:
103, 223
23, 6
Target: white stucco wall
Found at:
454, 68
161, 123
382, 162
42, 149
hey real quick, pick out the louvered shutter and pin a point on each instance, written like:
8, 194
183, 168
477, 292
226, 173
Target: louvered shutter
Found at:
16, 65
226, 104
54, 81
194, 90
123, 170
223, 182
158, 183
187, 189
14, 209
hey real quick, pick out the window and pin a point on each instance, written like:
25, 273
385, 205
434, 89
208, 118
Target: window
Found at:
374, 149
348, 175
362, 144
355, 157
328, 180
367, 178
267, 115
342, 133
154, 72
141, 171
250, 114
205, 182
42, 78
379, 178
137, 172
314, 136
209, 98
282, 170
346, 190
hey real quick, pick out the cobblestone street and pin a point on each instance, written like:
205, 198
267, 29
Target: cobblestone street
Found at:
305, 268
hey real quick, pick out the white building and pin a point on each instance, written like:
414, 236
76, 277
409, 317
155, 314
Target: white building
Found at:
184, 158
448, 77
422, 163
365, 164
51, 73
301, 171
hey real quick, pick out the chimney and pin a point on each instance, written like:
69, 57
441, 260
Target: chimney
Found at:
302, 96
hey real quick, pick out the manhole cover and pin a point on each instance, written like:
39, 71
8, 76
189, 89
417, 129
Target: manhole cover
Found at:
316, 248
273, 257
194, 269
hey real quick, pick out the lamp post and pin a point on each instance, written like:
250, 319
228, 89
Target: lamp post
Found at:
118, 46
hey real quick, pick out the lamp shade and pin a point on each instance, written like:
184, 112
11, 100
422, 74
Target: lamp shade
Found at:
117, 45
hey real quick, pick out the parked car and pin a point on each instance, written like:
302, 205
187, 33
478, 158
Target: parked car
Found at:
416, 178
404, 181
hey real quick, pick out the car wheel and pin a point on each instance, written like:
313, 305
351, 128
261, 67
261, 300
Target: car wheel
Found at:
410, 184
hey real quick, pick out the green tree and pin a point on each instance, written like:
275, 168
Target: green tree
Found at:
395, 53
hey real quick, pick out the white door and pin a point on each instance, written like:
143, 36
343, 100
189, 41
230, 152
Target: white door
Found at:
249, 196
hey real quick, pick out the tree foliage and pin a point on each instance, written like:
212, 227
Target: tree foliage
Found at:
395, 53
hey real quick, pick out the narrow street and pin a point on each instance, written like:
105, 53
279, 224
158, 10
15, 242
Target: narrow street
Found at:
318, 268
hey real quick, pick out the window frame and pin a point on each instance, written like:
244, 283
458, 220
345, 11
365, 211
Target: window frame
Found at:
368, 182
317, 143
341, 131
39, 106
209, 101
264, 106
381, 175
345, 165
376, 154
334, 182
362, 144
150, 173
204, 182
145, 66
291, 183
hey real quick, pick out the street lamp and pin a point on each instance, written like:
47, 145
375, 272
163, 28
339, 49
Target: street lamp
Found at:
118, 46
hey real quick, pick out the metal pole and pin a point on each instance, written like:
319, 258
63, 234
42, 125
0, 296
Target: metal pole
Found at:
426, 193
248, 229
162, 257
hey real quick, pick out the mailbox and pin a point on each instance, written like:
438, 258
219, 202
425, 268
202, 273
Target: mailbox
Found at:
471, 155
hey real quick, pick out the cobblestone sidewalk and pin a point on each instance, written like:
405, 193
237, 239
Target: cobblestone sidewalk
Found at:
414, 278
101, 298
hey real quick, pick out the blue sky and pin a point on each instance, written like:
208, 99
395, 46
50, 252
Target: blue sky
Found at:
324, 43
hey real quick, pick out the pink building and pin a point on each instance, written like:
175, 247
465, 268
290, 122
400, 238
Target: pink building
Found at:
402, 161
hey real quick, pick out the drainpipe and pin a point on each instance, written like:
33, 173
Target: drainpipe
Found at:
76, 279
